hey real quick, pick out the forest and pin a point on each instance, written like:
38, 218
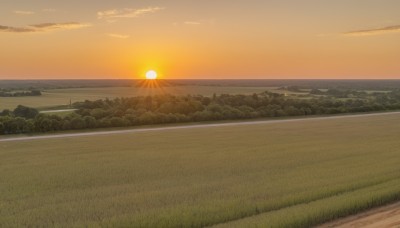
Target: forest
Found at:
166, 109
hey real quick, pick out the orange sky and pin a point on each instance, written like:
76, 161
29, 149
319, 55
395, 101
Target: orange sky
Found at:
348, 39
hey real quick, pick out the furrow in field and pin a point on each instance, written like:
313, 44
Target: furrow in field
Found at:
311, 213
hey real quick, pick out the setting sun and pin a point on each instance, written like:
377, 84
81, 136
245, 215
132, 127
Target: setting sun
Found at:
151, 75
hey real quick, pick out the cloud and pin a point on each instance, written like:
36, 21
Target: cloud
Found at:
127, 13
119, 36
208, 22
20, 12
374, 32
16, 29
63, 26
44, 27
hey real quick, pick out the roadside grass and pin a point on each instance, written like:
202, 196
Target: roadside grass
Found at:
281, 174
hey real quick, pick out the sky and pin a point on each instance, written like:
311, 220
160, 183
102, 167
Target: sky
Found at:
207, 39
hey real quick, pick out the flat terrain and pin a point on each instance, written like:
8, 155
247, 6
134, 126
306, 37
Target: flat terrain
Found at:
57, 97
293, 173
387, 216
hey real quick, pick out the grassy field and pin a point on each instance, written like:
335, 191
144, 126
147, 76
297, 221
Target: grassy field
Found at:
281, 174
58, 97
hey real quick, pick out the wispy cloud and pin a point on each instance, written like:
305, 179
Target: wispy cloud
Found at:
193, 23
44, 27
374, 32
64, 26
21, 12
118, 36
127, 13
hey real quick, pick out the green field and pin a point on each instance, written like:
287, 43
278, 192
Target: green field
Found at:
279, 174
56, 97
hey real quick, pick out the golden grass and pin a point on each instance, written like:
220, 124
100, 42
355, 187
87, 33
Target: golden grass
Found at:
282, 174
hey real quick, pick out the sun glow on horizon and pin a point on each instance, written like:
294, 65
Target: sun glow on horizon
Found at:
151, 75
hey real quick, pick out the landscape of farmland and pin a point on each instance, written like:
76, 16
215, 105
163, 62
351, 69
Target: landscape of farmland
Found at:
61, 93
58, 97
296, 173
192, 114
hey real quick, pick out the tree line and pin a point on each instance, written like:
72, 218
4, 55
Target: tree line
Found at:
20, 94
162, 109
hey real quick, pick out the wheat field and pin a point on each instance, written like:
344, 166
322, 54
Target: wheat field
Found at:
293, 174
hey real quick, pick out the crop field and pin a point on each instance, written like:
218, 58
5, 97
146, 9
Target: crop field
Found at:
57, 97
293, 174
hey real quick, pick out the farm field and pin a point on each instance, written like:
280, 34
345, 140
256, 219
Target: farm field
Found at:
56, 97
297, 173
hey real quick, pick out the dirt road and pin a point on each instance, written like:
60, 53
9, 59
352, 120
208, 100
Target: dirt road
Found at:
388, 216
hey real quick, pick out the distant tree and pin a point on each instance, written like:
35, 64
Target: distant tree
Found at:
292, 111
147, 118
29, 126
66, 125
118, 122
26, 112
205, 101
78, 123
43, 124
6, 112
90, 121
316, 92
104, 123
213, 107
295, 89
2, 129
36, 93
99, 113
132, 118
171, 118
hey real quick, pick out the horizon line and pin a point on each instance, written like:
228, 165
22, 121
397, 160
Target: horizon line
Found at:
193, 79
